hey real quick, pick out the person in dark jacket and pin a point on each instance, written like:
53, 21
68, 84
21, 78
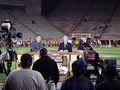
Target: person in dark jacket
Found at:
111, 82
36, 45
78, 81
47, 66
81, 43
84, 44
65, 46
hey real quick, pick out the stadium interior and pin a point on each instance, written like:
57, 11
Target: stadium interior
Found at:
53, 19
60, 17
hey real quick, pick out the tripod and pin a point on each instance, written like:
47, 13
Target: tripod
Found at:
8, 56
3, 57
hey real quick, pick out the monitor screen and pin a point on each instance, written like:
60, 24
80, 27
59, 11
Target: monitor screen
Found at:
91, 56
90, 67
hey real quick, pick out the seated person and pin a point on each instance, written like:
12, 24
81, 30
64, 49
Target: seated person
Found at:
25, 78
78, 81
65, 46
111, 82
84, 44
36, 45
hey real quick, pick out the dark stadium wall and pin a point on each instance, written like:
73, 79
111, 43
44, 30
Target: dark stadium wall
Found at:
33, 7
49, 5
46, 6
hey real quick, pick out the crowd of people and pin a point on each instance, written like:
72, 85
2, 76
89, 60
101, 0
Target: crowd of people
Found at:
27, 42
45, 69
44, 74
56, 42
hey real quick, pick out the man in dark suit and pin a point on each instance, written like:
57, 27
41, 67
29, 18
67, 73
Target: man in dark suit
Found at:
84, 44
36, 45
65, 46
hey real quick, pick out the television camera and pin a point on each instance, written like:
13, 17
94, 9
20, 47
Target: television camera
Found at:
95, 65
7, 35
91, 57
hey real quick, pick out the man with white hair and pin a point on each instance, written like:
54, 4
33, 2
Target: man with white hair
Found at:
65, 46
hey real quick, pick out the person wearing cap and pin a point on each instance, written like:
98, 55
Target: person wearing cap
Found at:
111, 82
36, 45
78, 81
47, 66
65, 46
25, 78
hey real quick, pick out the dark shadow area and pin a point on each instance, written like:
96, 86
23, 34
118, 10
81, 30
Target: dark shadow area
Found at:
49, 5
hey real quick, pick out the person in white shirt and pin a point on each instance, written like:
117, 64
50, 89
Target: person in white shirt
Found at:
25, 78
65, 46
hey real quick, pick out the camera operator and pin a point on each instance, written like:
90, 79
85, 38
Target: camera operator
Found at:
110, 79
78, 81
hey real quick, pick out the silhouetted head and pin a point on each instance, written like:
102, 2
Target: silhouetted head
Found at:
26, 61
79, 66
43, 52
110, 71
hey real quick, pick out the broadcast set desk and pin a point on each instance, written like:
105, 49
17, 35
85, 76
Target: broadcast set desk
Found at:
70, 57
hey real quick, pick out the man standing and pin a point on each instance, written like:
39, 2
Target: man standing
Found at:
25, 78
47, 66
65, 46
110, 43
36, 45
111, 82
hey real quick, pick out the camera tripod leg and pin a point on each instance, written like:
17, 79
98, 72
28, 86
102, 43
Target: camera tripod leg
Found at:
9, 64
4, 69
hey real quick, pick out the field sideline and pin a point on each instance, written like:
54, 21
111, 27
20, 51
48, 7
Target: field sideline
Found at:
104, 53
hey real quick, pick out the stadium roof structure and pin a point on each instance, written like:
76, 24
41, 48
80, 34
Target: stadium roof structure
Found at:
12, 2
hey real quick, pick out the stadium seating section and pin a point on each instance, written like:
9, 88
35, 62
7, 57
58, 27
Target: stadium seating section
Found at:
70, 16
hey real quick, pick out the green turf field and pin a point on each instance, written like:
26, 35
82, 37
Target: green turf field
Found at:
104, 53
109, 53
